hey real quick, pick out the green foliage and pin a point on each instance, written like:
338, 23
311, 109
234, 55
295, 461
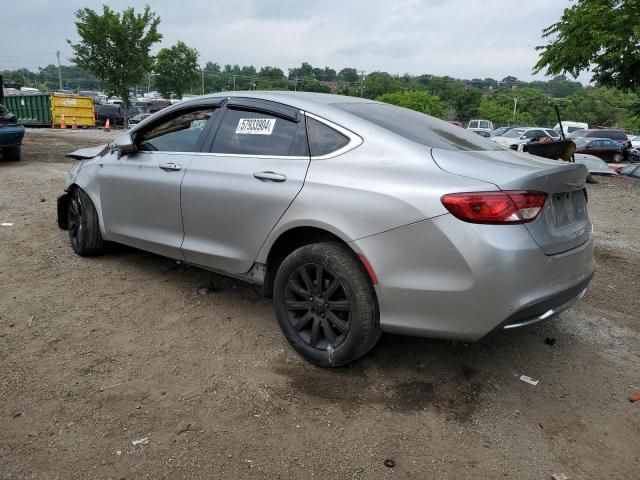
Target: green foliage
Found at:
420, 101
176, 69
379, 83
115, 47
601, 35
604, 107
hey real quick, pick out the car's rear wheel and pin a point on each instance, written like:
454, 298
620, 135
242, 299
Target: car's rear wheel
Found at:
12, 154
617, 158
326, 305
84, 228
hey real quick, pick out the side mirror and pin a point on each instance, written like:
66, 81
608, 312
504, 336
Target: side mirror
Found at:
124, 144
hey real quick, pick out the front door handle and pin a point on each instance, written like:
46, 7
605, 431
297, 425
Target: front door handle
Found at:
170, 167
270, 177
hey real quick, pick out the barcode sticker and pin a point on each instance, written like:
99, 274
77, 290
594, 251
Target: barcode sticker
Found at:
256, 126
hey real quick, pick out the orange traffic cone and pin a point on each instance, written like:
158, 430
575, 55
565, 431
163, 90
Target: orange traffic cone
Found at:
107, 126
74, 124
63, 124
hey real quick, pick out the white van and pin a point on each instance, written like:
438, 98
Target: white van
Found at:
480, 125
569, 126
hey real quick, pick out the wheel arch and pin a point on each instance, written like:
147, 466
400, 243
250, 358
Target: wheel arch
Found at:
290, 240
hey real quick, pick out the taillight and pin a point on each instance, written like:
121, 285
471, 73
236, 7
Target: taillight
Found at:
508, 207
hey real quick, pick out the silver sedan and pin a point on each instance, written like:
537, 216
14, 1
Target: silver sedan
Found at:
357, 217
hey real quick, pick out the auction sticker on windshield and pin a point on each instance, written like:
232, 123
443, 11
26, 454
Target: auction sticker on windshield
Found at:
256, 126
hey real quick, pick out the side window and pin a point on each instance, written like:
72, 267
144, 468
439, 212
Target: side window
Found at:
176, 134
529, 134
246, 132
323, 139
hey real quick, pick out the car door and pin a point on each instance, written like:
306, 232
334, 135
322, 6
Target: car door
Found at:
140, 191
602, 149
233, 196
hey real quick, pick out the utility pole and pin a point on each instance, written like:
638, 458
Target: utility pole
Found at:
361, 82
202, 71
149, 83
234, 83
59, 69
295, 85
515, 106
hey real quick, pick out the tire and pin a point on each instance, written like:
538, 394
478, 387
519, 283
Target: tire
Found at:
84, 229
12, 154
333, 325
617, 158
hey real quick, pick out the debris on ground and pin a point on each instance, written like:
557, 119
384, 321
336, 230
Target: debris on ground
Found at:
205, 289
635, 397
389, 463
559, 476
529, 380
550, 341
7, 224
142, 441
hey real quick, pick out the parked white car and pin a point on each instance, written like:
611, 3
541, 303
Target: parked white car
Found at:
569, 126
517, 136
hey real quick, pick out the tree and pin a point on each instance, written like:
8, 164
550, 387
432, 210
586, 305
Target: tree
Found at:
420, 101
176, 68
348, 75
600, 35
379, 83
115, 46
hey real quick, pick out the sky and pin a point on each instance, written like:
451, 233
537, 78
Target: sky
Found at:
460, 38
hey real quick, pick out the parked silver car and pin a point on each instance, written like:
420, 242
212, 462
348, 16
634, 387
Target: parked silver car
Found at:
356, 216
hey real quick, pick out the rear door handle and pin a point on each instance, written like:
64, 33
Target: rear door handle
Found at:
170, 167
270, 177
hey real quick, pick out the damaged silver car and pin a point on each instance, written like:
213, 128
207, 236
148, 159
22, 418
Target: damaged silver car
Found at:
357, 217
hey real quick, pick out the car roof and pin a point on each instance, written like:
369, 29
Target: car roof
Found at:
321, 104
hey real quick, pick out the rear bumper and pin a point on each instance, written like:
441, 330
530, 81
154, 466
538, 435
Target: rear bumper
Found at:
450, 279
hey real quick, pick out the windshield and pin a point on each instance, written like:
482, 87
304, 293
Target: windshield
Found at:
577, 133
513, 133
418, 127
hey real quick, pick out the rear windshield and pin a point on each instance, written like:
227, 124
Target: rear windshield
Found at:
513, 133
418, 127
610, 134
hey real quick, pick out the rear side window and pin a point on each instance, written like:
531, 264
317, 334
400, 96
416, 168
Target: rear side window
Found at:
474, 124
246, 132
323, 139
418, 127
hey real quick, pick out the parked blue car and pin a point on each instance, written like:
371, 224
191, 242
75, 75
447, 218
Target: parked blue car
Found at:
11, 135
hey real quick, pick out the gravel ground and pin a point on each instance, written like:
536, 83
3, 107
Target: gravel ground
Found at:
117, 367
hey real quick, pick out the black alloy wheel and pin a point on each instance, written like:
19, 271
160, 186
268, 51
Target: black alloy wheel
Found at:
318, 306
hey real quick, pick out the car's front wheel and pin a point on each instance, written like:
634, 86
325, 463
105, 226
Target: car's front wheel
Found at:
12, 154
84, 229
326, 305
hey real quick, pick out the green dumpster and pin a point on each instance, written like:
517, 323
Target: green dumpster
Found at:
30, 109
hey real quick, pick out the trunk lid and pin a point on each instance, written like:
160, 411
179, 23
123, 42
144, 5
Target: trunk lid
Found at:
564, 222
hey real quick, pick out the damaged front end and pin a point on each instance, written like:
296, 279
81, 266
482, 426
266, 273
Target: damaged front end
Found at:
63, 200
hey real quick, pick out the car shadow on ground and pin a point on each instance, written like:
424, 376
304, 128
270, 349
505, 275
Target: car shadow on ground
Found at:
402, 374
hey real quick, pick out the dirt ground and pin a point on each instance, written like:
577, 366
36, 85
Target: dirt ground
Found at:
118, 368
